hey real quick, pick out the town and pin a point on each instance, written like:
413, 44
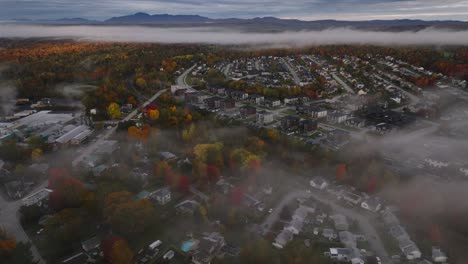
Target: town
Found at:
246, 160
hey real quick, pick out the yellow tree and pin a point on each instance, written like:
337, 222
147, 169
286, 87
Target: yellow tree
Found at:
153, 114
7, 243
113, 110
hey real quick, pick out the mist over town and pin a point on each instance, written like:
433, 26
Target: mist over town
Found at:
143, 132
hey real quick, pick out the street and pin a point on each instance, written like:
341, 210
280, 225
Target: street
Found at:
364, 222
9, 220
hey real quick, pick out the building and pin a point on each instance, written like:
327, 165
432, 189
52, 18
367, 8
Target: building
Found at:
187, 207
352, 255
214, 102
256, 99
283, 238
329, 234
437, 163
317, 112
248, 110
319, 183
264, 117
352, 198
167, 156
209, 246
290, 122
307, 125
291, 100
348, 239
228, 103
341, 223
161, 196
372, 204
438, 256
37, 198
337, 117
409, 249
272, 103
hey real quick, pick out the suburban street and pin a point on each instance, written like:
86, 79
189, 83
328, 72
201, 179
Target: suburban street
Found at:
181, 80
297, 81
343, 84
364, 222
9, 220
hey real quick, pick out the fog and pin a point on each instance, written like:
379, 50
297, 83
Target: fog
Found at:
225, 36
7, 93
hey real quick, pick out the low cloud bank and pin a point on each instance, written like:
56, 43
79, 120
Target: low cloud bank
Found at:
224, 36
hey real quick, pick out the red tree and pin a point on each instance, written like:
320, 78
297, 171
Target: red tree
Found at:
184, 184
340, 171
212, 173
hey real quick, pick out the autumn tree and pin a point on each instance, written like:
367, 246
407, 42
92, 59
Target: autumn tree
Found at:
14, 253
128, 216
116, 250
113, 110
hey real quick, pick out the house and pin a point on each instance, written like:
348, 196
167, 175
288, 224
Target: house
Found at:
319, 183
337, 117
264, 117
307, 125
167, 156
352, 198
214, 102
79, 133
256, 99
438, 256
248, 110
195, 98
272, 103
341, 223
37, 198
187, 207
352, 255
437, 163
91, 246
291, 100
317, 112
289, 122
228, 104
238, 95
161, 196
295, 226
347, 238
283, 238
329, 234
372, 204
409, 249
210, 246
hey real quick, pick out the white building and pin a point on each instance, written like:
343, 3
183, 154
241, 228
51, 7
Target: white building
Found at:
436, 163
438, 256
162, 196
319, 183
37, 197
264, 117
371, 204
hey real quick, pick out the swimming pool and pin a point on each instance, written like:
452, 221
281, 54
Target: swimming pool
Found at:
186, 246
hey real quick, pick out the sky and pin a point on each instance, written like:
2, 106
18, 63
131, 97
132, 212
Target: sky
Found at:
298, 9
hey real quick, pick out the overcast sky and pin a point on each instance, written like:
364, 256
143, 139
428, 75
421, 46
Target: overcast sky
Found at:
300, 9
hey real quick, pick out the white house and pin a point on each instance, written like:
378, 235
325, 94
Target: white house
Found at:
438, 256
283, 238
371, 204
409, 249
264, 117
319, 183
436, 163
162, 196
37, 197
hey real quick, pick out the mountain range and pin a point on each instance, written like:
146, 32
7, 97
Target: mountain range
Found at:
260, 23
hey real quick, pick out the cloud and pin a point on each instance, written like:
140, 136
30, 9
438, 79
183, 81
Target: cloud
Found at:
226, 36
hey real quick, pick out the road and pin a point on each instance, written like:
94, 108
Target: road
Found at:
227, 69
363, 220
297, 81
181, 80
343, 84
9, 220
